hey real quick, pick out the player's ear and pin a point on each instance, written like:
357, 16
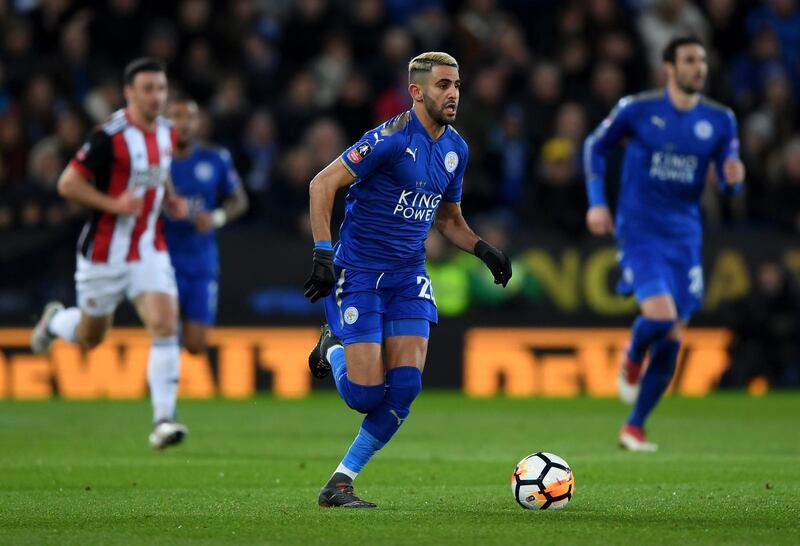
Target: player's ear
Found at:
415, 90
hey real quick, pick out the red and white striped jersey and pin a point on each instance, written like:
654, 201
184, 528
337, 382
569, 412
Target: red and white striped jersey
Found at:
119, 155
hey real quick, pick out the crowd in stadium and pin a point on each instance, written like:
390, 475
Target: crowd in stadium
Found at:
287, 84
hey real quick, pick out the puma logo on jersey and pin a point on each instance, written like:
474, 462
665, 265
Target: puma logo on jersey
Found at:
412, 154
399, 420
658, 122
377, 139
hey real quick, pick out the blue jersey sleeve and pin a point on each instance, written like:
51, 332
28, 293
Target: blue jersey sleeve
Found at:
453, 192
728, 147
370, 153
230, 178
597, 145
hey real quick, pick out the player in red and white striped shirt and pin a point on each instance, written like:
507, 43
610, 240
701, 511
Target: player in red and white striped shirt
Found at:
122, 174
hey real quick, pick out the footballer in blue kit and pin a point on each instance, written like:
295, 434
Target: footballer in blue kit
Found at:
672, 136
207, 178
402, 177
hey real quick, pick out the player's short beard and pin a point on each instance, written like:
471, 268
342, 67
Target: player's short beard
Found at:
183, 144
436, 115
688, 88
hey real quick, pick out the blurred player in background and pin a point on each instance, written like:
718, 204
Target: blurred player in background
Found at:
122, 174
205, 175
403, 176
673, 135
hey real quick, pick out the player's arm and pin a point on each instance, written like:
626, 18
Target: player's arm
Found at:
453, 227
322, 192
730, 169
357, 162
234, 204
177, 206
595, 149
75, 183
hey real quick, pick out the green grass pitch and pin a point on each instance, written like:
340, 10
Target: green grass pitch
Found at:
728, 472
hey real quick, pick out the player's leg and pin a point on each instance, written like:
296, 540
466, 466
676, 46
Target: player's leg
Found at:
159, 314
654, 323
410, 309
198, 304
351, 350
657, 317
660, 370
653, 383
153, 291
350, 344
99, 292
358, 371
69, 324
683, 274
644, 275
194, 337
91, 330
409, 313
405, 358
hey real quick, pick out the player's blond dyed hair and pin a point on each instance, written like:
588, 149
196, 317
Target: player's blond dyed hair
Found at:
424, 63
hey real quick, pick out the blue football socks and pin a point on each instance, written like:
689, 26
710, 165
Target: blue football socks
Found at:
403, 384
338, 365
364, 447
646, 332
362, 398
663, 358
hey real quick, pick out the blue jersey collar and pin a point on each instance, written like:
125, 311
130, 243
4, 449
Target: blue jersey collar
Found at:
669, 102
193, 148
418, 127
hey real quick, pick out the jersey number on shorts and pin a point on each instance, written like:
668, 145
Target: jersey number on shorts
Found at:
696, 281
426, 291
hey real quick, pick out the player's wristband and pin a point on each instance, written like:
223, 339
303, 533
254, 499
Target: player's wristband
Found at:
596, 192
325, 245
219, 217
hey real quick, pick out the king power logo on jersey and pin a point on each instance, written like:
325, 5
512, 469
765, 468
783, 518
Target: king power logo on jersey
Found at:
418, 206
673, 167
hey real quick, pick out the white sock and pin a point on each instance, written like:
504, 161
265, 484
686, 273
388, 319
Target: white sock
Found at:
64, 324
346, 471
163, 367
330, 351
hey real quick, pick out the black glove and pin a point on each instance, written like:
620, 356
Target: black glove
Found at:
497, 262
322, 278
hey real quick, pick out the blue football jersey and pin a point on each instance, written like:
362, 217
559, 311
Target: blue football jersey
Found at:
205, 178
402, 175
665, 164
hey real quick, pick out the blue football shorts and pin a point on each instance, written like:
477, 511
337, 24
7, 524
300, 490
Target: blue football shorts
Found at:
366, 307
663, 267
197, 296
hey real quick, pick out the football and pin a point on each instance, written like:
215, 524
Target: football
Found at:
542, 481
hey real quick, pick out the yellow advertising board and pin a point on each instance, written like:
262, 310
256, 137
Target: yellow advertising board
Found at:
117, 368
526, 362
518, 362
